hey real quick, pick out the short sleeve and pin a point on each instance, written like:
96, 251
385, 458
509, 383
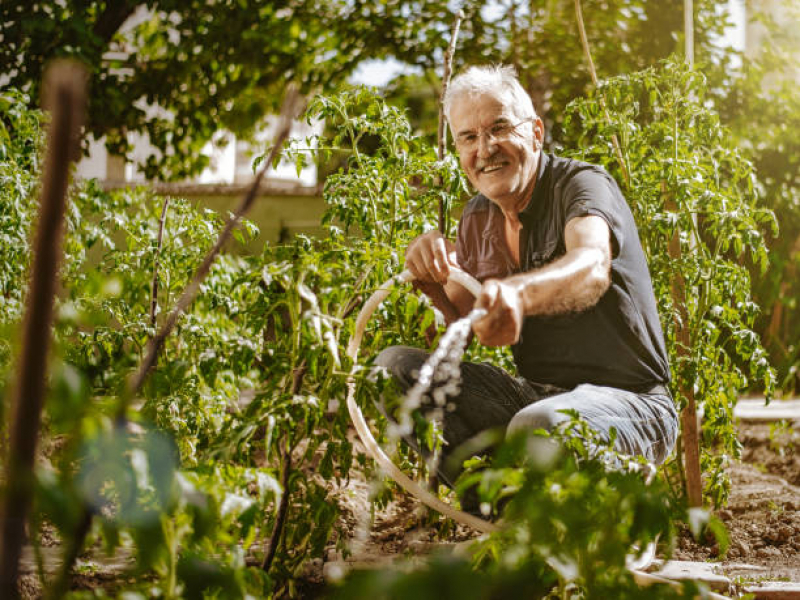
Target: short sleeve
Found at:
592, 191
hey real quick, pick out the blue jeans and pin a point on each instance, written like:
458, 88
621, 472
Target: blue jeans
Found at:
646, 423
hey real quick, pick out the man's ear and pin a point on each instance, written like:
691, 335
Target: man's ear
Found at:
538, 132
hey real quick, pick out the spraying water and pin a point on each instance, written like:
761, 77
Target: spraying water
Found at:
439, 378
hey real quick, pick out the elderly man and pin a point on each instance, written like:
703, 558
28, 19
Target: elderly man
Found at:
564, 282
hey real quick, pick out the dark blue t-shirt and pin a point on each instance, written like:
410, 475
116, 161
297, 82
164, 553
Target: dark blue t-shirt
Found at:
618, 342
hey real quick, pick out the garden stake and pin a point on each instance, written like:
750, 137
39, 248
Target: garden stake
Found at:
64, 95
442, 133
154, 289
588, 54
283, 506
689, 434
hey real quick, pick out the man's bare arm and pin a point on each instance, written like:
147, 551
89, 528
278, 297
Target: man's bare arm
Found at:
574, 282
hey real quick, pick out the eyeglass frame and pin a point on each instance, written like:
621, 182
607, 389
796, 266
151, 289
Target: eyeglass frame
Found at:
506, 129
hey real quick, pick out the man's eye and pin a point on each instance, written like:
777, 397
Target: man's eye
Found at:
501, 129
469, 137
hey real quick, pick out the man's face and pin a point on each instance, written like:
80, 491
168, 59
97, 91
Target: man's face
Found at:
502, 167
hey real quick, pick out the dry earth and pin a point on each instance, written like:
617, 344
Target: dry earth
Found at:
763, 519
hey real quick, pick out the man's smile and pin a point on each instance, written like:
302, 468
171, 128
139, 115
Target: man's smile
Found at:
492, 167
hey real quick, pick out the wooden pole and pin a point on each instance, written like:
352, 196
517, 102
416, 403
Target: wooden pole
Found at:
154, 286
593, 73
689, 428
64, 94
442, 133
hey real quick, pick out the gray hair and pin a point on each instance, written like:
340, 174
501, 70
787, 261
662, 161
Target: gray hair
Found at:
494, 79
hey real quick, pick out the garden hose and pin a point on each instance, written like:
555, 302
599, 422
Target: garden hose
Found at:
634, 562
371, 445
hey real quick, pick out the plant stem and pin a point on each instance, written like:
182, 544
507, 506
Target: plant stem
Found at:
65, 97
286, 459
442, 133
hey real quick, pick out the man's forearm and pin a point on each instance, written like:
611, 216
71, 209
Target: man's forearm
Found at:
572, 283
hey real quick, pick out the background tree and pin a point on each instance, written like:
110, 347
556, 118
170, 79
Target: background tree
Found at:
177, 71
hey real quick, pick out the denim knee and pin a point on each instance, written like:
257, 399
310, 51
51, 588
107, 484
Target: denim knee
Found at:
535, 416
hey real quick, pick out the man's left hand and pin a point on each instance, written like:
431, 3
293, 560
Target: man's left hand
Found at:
502, 324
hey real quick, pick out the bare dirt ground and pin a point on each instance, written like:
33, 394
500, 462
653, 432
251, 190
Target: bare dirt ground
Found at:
763, 514
762, 517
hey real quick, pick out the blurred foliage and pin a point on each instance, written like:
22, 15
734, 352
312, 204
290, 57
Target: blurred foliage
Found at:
573, 510
176, 71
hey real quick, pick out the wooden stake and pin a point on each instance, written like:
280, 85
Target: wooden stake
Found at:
448, 66
64, 94
154, 288
689, 430
587, 53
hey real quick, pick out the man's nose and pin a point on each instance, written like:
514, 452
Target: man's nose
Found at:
486, 144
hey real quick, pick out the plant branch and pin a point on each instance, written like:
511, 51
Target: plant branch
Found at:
587, 53
442, 133
73, 550
65, 98
286, 458
288, 113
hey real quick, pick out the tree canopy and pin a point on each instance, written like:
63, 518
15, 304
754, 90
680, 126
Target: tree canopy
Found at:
177, 71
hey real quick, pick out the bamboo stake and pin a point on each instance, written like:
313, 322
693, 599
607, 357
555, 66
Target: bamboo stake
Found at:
587, 53
64, 94
442, 133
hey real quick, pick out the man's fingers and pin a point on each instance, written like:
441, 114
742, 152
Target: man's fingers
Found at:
427, 258
488, 296
440, 266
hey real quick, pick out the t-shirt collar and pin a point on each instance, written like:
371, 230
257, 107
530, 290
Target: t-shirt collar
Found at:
538, 189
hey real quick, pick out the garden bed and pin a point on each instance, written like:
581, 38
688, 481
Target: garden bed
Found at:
762, 517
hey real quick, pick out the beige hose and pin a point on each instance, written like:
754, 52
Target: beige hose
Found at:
373, 449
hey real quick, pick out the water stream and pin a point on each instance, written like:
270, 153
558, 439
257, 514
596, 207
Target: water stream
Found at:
439, 378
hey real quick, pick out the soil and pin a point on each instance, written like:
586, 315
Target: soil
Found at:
762, 517
763, 513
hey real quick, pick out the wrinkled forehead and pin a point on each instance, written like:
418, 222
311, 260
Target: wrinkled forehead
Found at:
480, 109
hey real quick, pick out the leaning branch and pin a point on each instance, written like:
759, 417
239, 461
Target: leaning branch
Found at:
442, 133
65, 98
288, 113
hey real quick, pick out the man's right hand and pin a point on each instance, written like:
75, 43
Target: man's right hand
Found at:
429, 257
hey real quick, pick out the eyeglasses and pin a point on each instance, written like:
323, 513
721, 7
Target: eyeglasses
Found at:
499, 132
